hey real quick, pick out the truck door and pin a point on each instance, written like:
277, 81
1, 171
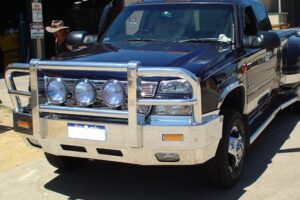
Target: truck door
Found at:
261, 64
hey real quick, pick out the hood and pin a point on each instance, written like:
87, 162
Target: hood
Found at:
195, 57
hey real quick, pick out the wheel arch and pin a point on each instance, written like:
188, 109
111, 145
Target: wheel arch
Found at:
233, 96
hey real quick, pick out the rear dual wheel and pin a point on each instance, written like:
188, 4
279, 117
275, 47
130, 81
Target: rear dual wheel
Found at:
226, 167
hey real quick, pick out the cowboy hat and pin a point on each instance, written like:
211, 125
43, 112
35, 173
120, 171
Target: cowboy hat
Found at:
56, 25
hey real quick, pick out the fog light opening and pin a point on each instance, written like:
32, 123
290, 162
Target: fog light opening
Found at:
167, 157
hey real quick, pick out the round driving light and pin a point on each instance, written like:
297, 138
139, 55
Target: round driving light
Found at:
56, 91
113, 93
85, 93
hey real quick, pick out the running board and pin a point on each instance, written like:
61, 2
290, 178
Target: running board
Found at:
272, 116
290, 79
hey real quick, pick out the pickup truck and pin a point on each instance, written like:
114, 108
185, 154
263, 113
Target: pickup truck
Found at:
168, 83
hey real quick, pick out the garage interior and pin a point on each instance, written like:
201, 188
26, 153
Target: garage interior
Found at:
16, 44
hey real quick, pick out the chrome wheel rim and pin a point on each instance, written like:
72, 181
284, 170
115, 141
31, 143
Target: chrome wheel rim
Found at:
236, 149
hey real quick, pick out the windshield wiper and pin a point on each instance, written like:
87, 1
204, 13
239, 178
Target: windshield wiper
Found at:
144, 40
199, 40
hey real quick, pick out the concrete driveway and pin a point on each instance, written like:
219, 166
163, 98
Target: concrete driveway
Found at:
271, 172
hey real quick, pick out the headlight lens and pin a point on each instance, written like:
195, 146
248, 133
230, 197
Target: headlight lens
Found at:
113, 94
175, 86
172, 110
56, 91
85, 93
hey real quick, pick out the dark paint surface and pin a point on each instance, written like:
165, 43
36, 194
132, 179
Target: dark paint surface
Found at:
198, 58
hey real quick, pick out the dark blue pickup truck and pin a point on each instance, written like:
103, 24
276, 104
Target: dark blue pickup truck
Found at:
168, 83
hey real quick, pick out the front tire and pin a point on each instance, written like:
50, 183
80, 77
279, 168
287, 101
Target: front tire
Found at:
296, 107
226, 167
65, 163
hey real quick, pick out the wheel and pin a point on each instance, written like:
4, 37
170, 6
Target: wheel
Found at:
65, 163
295, 107
226, 167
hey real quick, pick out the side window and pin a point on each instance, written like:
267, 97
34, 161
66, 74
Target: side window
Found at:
250, 22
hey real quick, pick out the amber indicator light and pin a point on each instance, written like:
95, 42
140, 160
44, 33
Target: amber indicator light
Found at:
172, 137
23, 124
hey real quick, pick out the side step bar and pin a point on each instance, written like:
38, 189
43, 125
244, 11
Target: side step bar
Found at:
255, 135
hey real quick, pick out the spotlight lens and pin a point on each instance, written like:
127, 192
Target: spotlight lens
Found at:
85, 93
113, 94
56, 91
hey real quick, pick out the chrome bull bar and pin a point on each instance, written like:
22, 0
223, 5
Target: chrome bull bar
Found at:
134, 70
11, 86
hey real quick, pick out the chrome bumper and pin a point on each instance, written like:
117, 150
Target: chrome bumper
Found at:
135, 142
199, 144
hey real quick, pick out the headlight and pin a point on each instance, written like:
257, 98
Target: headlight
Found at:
85, 93
172, 110
113, 93
175, 86
56, 91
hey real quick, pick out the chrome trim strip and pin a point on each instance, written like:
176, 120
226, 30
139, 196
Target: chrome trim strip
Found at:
19, 93
272, 116
290, 79
83, 111
229, 89
12, 89
164, 102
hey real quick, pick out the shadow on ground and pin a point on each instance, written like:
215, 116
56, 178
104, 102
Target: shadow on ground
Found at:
3, 129
100, 180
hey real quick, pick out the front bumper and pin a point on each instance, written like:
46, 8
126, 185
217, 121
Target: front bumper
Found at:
199, 145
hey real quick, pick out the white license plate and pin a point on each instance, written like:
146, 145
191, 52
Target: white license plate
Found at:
87, 132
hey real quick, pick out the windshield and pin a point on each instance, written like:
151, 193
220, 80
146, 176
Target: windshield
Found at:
173, 23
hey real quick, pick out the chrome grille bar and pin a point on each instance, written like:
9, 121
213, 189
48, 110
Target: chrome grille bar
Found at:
166, 102
84, 112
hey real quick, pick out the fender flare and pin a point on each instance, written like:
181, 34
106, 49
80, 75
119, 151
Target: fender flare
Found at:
230, 88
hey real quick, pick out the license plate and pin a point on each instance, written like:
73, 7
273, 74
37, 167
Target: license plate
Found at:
87, 132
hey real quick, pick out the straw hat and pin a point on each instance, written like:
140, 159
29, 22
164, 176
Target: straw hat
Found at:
56, 25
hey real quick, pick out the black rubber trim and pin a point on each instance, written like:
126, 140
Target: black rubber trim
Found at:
110, 152
73, 148
34, 145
